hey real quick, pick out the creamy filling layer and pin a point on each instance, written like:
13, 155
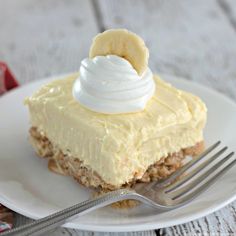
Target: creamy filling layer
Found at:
118, 147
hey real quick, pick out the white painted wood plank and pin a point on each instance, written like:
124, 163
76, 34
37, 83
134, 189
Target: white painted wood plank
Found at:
222, 222
20, 220
58, 46
188, 38
229, 7
46, 38
66, 232
43, 38
193, 39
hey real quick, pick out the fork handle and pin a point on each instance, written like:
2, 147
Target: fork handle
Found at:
52, 221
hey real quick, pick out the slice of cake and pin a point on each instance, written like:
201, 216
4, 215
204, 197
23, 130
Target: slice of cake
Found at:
115, 123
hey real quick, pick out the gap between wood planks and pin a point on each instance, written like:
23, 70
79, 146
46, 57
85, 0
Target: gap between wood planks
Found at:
98, 15
225, 7
101, 28
158, 232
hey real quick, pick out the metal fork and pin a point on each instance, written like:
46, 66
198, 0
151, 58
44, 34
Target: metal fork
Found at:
171, 193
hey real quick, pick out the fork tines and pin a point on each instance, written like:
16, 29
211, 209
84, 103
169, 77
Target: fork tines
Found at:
201, 176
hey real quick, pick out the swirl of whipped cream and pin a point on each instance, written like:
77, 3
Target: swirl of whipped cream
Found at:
110, 85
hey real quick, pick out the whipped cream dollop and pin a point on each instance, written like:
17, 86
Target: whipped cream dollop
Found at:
110, 85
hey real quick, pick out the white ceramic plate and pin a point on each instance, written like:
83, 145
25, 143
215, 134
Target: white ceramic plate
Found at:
27, 187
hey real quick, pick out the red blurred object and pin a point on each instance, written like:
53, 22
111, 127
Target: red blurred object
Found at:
7, 79
7, 82
6, 219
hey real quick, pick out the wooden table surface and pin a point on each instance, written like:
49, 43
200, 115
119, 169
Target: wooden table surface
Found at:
195, 39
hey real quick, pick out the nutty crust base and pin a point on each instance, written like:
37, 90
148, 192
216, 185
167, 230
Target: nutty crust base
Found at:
65, 165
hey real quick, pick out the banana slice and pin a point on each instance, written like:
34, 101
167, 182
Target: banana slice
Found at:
123, 43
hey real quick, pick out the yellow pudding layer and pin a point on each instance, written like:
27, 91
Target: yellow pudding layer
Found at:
122, 146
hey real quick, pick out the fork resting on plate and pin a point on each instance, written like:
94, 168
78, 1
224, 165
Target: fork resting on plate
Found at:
175, 191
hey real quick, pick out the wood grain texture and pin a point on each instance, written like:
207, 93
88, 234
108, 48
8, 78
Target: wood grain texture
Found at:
229, 7
47, 37
21, 220
194, 39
